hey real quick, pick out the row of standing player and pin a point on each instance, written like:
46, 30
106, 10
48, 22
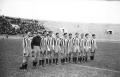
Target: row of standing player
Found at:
62, 50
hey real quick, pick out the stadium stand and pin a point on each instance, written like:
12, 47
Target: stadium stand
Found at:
14, 26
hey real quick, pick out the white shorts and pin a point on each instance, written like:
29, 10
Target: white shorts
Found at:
87, 49
70, 49
27, 51
36, 52
25, 59
76, 49
64, 50
44, 48
57, 49
93, 49
50, 48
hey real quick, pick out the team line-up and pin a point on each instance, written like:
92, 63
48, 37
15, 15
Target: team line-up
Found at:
44, 49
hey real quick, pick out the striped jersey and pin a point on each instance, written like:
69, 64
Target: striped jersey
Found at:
27, 44
87, 43
44, 41
76, 41
70, 42
93, 43
50, 41
27, 41
64, 42
82, 43
57, 41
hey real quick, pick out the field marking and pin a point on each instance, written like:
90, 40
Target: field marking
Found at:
89, 67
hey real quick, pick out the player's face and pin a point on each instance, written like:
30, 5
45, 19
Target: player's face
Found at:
39, 34
65, 35
30, 34
94, 37
77, 35
82, 35
70, 36
50, 34
45, 34
57, 35
87, 36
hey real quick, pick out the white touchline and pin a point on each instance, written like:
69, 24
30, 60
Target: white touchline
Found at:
99, 68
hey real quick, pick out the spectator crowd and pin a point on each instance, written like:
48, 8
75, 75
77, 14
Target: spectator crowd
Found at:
24, 25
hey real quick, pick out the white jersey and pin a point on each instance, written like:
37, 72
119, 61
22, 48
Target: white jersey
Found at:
76, 44
82, 43
44, 44
50, 43
27, 45
64, 44
57, 44
76, 41
57, 41
70, 45
87, 44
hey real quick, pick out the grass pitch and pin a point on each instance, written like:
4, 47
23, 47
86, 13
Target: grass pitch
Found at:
106, 63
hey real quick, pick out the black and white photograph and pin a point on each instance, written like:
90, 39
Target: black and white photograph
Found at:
59, 38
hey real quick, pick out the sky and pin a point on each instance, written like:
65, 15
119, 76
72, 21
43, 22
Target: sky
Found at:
83, 11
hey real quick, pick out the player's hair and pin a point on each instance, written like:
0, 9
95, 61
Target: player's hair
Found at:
47, 34
50, 32
64, 33
44, 32
26, 31
76, 33
86, 34
93, 34
56, 33
70, 34
82, 34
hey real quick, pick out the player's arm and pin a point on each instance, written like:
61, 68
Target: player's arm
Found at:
24, 42
73, 41
24, 45
67, 43
89, 43
61, 42
32, 42
95, 44
79, 42
48, 44
25, 53
84, 43
53, 42
40, 42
